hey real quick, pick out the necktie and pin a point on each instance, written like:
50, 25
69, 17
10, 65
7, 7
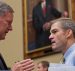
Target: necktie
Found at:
63, 60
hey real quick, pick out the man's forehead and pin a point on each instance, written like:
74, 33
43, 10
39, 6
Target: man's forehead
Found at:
55, 26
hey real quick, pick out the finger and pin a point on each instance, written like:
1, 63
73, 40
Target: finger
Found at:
24, 61
28, 67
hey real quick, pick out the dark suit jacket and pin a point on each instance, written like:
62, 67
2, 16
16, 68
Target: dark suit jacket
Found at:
39, 19
3, 65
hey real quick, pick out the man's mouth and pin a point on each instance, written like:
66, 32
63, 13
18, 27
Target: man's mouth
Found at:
52, 42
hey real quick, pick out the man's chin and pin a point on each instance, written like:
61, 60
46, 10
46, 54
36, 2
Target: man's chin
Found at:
2, 38
54, 48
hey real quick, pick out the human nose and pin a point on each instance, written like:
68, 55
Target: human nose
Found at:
51, 36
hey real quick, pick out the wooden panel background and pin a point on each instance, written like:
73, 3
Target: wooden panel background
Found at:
73, 9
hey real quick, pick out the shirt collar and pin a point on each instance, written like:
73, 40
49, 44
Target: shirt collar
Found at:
43, 4
72, 47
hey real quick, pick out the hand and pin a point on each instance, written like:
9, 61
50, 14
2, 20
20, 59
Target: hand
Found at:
24, 65
46, 26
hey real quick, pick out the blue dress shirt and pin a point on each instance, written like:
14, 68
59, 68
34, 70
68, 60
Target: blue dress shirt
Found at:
69, 56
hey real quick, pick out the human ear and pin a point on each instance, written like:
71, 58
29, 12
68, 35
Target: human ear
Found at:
69, 33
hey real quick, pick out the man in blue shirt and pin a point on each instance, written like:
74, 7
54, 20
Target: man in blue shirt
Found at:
63, 38
70, 55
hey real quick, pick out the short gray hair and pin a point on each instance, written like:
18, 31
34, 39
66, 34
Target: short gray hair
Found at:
66, 23
5, 8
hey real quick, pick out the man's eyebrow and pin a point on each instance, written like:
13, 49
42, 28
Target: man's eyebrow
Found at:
53, 30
